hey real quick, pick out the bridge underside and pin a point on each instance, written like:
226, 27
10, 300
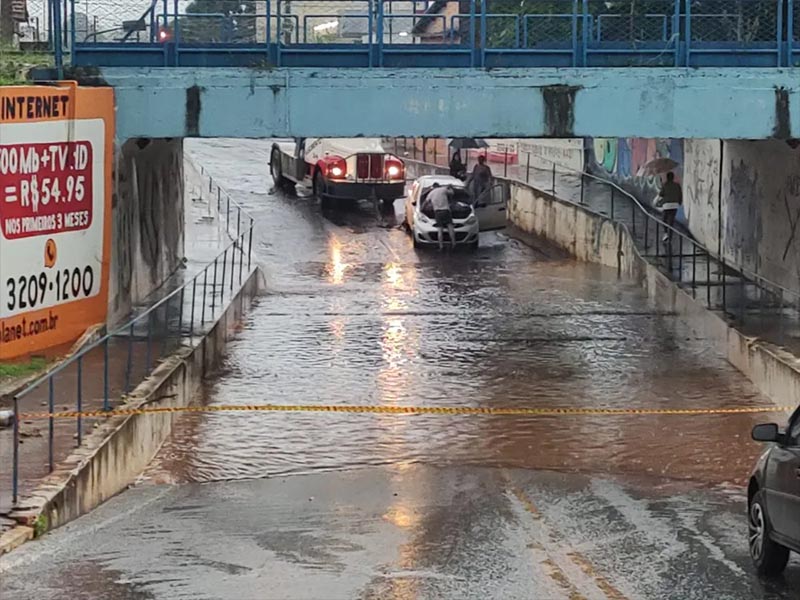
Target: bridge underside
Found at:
294, 102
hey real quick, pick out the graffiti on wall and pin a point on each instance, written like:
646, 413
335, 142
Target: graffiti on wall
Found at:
701, 194
622, 158
742, 215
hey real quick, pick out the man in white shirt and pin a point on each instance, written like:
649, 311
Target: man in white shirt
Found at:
440, 202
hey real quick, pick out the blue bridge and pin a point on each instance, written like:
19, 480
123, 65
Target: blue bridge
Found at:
492, 68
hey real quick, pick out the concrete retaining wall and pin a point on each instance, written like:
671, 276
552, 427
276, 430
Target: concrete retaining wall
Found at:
117, 451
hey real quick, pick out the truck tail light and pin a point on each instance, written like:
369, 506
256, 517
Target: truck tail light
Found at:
394, 168
337, 168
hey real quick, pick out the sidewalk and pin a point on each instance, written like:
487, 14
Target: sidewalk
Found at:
755, 307
131, 357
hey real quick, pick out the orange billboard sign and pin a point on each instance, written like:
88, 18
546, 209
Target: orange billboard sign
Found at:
56, 152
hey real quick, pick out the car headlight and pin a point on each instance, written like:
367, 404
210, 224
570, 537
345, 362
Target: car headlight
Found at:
423, 218
471, 220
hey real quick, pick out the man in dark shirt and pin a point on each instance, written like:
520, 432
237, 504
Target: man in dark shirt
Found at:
480, 178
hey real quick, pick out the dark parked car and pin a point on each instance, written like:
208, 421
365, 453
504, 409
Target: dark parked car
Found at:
774, 497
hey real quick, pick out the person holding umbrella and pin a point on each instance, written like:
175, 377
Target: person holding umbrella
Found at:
670, 199
457, 167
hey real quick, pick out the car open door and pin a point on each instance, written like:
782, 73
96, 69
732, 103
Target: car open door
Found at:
491, 207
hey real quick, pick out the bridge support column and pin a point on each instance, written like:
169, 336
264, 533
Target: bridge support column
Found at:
148, 229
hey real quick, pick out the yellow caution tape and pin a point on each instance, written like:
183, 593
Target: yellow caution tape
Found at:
408, 410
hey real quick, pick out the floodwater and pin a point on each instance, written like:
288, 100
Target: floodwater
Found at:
354, 315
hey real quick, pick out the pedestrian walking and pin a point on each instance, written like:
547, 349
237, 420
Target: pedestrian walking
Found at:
670, 199
439, 198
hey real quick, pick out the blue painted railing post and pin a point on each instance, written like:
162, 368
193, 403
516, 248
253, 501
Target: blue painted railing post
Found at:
58, 41
688, 29
781, 61
153, 23
585, 33
177, 40
790, 33
472, 33
269, 24
482, 62
676, 34
51, 408
380, 32
15, 460
166, 26
278, 35
576, 52
79, 402
50, 6
106, 399
370, 32
72, 33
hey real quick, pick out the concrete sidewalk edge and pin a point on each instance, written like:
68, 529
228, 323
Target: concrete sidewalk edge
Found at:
15, 537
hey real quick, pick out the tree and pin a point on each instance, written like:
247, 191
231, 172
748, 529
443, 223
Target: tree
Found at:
219, 21
508, 21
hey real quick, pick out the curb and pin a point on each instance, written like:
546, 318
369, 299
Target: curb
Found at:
15, 537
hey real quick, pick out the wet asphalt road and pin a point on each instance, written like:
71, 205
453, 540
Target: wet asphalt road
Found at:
400, 532
384, 506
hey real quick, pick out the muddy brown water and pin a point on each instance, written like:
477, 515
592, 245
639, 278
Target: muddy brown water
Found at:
354, 315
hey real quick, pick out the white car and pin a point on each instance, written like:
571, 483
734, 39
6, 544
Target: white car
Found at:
469, 217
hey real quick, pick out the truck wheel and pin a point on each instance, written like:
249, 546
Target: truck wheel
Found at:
319, 192
276, 170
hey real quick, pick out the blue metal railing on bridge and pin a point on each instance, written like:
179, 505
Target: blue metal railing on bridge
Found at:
408, 33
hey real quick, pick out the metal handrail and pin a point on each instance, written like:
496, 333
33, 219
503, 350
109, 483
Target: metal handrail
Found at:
240, 237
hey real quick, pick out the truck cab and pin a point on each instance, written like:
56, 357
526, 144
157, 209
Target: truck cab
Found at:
339, 169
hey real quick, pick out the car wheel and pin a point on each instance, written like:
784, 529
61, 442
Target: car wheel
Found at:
417, 245
276, 170
474, 246
769, 557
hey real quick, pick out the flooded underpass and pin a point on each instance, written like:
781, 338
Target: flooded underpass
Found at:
354, 315
328, 505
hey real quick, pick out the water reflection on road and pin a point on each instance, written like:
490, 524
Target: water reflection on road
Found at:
355, 316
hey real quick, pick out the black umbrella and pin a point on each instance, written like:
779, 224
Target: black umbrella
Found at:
466, 143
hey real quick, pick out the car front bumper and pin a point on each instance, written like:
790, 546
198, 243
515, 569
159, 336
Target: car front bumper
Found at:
364, 191
427, 233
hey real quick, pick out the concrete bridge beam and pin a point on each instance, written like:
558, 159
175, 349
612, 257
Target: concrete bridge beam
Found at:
641, 102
